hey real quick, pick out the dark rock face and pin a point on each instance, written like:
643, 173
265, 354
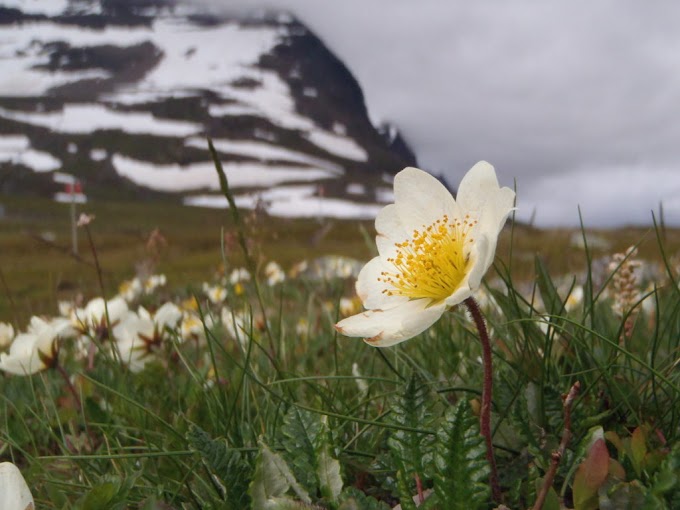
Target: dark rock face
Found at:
331, 128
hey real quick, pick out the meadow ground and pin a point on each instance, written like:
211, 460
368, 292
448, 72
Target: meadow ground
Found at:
264, 405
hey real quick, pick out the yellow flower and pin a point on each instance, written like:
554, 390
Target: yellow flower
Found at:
433, 253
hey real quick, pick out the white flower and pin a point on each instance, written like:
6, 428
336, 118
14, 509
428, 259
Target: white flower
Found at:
6, 334
574, 298
168, 315
274, 273
216, 293
14, 493
66, 308
130, 290
93, 317
434, 251
192, 328
36, 349
139, 336
239, 275
153, 282
359, 379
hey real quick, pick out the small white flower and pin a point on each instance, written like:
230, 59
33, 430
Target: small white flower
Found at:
574, 299
153, 282
348, 306
85, 219
14, 493
36, 349
168, 315
216, 293
434, 251
361, 383
192, 328
66, 308
274, 273
130, 290
239, 275
6, 335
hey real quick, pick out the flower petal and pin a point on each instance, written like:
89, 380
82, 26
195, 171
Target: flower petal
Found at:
370, 289
480, 195
389, 230
421, 199
474, 188
14, 493
382, 328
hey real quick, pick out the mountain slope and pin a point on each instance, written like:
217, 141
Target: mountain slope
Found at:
123, 95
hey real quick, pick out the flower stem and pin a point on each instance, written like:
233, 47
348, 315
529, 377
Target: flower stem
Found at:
557, 455
485, 413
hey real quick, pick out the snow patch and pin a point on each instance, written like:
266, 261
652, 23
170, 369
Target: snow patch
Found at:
16, 149
203, 175
98, 154
355, 188
47, 7
292, 202
338, 145
263, 151
85, 118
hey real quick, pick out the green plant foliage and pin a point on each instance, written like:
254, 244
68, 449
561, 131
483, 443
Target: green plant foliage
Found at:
353, 499
411, 451
328, 467
461, 470
301, 431
309, 450
665, 486
110, 493
227, 464
272, 480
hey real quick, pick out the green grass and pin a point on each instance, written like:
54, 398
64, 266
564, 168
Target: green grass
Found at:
211, 422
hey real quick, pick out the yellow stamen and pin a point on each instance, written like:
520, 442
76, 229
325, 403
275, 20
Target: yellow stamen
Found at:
433, 263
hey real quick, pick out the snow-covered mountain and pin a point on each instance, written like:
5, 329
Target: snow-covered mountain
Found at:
123, 93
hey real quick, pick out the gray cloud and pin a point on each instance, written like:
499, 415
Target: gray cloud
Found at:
577, 100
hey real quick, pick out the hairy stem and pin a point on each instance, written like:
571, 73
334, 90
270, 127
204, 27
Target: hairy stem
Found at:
557, 455
485, 413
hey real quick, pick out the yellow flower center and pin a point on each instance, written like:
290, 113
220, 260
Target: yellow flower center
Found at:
433, 263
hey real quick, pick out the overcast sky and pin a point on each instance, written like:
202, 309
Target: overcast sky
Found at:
577, 101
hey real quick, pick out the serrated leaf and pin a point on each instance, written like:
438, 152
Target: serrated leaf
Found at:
272, 480
667, 478
411, 451
301, 430
461, 469
328, 467
405, 492
225, 463
353, 499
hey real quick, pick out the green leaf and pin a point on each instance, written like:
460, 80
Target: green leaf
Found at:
667, 479
552, 500
328, 467
353, 499
225, 463
301, 430
590, 476
272, 480
410, 451
638, 449
461, 470
100, 496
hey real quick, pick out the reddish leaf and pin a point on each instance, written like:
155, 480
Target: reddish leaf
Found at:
590, 475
